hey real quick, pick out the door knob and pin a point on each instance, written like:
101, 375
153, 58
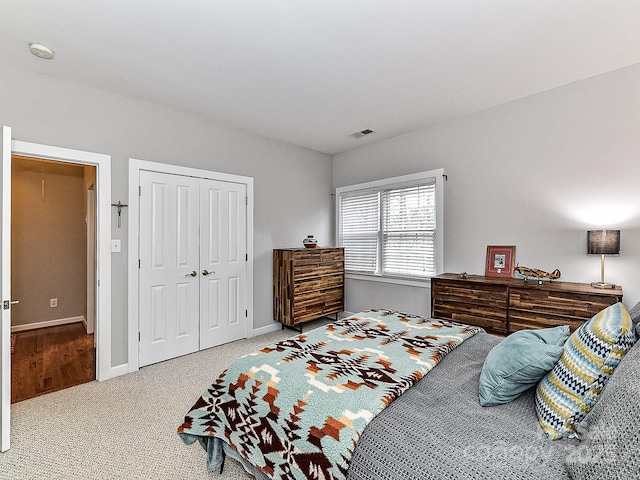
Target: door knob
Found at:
192, 274
6, 305
206, 272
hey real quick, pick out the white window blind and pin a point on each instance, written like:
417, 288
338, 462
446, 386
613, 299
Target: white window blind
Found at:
389, 229
359, 224
408, 231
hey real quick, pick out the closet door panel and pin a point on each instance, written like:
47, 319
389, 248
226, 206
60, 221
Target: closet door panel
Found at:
169, 257
223, 261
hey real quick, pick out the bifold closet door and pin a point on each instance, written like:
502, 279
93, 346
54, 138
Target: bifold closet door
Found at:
223, 240
169, 317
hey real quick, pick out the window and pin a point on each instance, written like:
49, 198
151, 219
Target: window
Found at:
389, 228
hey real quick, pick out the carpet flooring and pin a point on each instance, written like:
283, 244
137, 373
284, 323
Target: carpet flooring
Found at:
123, 428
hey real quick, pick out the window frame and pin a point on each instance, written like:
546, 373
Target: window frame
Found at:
399, 182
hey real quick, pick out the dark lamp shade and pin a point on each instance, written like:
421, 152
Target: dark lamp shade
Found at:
603, 242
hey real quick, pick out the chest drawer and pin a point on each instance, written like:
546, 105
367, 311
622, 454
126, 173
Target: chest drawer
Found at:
307, 284
474, 304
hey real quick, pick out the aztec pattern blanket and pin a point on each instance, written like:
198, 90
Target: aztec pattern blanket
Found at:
296, 409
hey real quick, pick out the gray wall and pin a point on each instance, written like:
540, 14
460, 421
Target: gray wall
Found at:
292, 184
536, 173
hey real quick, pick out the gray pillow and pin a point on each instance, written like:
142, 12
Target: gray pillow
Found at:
635, 318
610, 437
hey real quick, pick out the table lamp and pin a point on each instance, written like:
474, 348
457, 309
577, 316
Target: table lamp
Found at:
603, 242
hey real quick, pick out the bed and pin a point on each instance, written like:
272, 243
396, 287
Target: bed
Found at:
435, 428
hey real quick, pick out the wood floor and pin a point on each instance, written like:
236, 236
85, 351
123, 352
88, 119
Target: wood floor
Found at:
50, 359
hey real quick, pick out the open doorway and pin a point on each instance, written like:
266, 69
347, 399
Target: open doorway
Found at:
53, 273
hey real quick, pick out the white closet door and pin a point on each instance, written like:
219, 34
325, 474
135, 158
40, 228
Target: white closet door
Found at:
223, 249
169, 266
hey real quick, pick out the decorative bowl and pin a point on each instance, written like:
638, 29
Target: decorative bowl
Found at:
310, 242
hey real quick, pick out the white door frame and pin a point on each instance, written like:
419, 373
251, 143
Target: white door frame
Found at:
135, 166
103, 236
91, 258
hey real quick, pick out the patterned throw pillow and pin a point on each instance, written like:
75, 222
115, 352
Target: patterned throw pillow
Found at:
609, 439
568, 392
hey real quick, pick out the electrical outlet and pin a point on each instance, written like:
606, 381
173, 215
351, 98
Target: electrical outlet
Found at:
53, 302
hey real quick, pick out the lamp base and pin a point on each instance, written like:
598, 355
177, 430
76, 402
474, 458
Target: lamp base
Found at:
602, 285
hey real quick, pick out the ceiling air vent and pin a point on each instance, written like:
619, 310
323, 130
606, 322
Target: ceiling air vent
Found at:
361, 133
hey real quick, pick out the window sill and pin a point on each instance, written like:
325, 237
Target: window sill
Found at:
410, 282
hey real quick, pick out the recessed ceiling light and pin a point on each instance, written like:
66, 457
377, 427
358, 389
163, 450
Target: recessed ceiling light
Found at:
41, 51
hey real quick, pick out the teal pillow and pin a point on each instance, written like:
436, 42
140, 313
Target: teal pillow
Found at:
519, 362
568, 392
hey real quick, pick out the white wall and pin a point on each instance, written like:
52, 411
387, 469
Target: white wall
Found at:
536, 173
44, 110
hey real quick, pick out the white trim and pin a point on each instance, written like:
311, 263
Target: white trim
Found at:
48, 323
135, 166
274, 327
439, 176
411, 282
119, 370
103, 237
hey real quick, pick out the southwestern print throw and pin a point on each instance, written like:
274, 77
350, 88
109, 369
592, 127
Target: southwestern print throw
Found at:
296, 409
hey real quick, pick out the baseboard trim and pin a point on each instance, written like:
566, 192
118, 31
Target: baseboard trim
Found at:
119, 370
47, 323
267, 329
278, 326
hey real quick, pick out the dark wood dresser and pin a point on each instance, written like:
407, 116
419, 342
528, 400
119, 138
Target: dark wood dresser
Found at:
308, 283
505, 305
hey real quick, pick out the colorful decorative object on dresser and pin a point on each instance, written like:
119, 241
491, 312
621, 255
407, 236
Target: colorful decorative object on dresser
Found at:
310, 242
603, 242
501, 260
535, 273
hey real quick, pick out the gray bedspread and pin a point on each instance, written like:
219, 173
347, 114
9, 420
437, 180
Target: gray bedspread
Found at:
438, 430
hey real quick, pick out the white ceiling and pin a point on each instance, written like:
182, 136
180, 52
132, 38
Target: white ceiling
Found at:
311, 72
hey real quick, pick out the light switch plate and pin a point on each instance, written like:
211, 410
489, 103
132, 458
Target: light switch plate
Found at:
116, 246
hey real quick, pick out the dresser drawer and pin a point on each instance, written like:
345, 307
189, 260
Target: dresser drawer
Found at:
525, 320
452, 292
316, 269
314, 283
474, 304
316, 256
317, 303
559, 303
493, 318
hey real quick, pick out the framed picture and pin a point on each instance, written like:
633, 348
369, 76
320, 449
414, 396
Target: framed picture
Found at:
501, 260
